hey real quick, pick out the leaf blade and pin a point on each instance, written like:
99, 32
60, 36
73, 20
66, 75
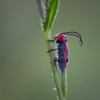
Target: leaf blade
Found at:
51, 13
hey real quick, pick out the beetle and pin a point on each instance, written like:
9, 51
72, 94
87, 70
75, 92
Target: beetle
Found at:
62, 48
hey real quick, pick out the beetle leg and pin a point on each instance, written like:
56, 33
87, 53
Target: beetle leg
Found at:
56, 60
51, 50
51, 41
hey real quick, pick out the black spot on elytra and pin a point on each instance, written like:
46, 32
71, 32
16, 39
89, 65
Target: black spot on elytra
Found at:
66, 60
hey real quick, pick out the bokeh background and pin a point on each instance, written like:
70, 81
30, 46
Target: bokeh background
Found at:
25, 71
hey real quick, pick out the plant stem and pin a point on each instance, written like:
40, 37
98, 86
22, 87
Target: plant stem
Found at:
54, 69
41, 9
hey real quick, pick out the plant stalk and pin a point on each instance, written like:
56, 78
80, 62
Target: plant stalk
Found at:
55, 71
54, 68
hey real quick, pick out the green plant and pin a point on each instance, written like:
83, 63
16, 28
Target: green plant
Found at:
48, 16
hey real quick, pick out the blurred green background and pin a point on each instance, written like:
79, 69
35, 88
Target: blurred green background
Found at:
25, 71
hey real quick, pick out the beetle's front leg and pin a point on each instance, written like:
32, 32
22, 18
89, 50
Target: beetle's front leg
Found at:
51, 41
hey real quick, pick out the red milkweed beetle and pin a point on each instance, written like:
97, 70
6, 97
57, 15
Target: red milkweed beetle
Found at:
62, 48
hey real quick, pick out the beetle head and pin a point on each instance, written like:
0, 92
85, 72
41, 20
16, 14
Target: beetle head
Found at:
60, 38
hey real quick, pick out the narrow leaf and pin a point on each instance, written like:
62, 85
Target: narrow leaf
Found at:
64, 83
51, 12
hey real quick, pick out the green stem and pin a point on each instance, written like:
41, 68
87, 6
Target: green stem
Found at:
54, 69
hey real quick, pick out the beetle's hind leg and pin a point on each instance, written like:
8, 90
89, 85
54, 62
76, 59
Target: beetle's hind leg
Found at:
56, 60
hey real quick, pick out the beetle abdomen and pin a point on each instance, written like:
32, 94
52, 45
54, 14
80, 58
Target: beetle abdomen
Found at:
65, 55
62, 50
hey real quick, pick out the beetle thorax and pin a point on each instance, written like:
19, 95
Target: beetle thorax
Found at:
60, 38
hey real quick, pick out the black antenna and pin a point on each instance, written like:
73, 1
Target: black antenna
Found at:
78, 35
